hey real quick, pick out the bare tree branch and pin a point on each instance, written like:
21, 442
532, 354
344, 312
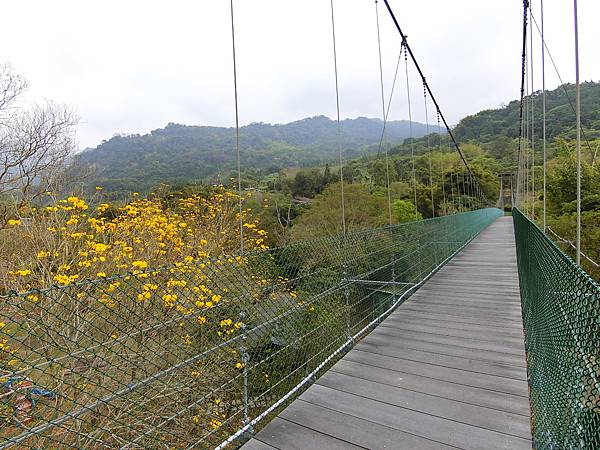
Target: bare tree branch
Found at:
35, 144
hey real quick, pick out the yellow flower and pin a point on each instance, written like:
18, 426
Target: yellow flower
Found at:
77, 203
140, 264
98, 188
43, 254
65, 280
101, 274
23, 272
239, 365
102, 207
14, 222
169, 299
201, 320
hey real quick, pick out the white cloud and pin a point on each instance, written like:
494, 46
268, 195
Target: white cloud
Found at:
132, 66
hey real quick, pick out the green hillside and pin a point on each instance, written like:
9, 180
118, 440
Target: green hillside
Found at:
179, 154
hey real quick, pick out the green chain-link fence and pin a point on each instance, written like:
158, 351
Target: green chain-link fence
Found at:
187, 356
561, 313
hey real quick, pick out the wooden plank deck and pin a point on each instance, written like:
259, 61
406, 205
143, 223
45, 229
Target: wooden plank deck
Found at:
445, 370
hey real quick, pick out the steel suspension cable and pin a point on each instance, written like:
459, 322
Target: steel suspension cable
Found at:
246, 413
452, 176
562, 83
237, 130
384, 116
412, 143
543, 113
520, 143
445, 209
532, 100
429, 149
339, 132
578, 119
433, 99
527, 136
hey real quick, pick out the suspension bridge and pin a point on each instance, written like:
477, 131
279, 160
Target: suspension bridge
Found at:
468, 329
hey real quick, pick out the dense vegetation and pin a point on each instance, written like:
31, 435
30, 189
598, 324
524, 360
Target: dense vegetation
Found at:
168, 282
179, 154
489, 141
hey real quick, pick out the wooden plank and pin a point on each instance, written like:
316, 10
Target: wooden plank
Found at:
449, 348
417, 316
453, 328
463, 310
513, 369
286, 435
435, 386
255, 444
421, 424
445, 370
490, 419
467, 378
467, 332
355, 430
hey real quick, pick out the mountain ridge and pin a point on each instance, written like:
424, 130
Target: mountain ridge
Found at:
191, 153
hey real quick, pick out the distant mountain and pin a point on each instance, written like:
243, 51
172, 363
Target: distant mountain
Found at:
181, 154
560, 117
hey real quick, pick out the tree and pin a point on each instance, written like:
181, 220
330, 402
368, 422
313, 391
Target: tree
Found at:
404, 211
35, 143
324, 218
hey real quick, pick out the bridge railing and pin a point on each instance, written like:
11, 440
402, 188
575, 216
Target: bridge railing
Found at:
197, 354
561, 314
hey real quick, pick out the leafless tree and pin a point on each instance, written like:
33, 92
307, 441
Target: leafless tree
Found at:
35, 144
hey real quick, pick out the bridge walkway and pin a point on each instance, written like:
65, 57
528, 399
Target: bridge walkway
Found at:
445, 370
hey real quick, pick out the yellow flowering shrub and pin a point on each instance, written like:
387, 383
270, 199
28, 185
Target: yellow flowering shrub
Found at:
69, 240
142, 286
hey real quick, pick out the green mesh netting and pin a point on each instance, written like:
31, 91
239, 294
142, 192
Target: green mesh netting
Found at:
561, 314
184, 356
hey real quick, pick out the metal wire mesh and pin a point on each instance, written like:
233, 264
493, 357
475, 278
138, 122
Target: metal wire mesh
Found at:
186, 356
561, 313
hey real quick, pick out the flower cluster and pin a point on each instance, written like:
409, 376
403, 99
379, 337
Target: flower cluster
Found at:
73, 241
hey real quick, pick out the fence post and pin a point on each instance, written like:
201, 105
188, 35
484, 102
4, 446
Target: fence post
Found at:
245, 361
347, 299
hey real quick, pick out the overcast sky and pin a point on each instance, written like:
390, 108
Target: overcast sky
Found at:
133, 66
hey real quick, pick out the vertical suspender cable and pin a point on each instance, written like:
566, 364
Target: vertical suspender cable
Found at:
532, 100
384, 117
428, 148
440, 148
452, 178
237, 131
520, 145
543, 113
435, 103
243, 351
412, 143
339, 131
527, 136
578, 119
